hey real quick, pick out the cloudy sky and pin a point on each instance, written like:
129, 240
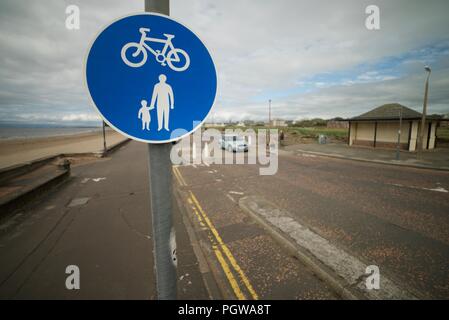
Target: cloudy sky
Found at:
312, 58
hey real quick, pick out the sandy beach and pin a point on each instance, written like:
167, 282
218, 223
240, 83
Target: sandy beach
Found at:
16, 151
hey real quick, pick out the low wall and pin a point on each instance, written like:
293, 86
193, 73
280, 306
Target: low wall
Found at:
365, 143
380, 144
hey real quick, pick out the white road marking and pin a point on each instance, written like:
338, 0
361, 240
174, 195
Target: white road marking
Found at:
194, 165
236, 192
307, 155
230, 197
183, 276
438, 189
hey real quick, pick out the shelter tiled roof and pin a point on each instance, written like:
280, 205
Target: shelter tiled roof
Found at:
390, 111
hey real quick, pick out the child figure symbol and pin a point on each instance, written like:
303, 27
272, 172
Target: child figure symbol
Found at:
144, 114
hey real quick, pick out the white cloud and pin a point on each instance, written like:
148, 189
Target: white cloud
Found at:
81, 117
274, 46
261, 48
55, 118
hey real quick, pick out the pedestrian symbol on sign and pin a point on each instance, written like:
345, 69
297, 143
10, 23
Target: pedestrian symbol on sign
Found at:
163, 97
164, 100
144, 115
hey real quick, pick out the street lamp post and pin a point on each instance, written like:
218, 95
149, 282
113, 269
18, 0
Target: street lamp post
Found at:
105, 150
424, 111
269, 121
398, 146
269, 112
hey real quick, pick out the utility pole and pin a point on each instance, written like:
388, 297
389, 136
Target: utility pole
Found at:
398, 146
160, 170
424, 111
269, 112
269, 122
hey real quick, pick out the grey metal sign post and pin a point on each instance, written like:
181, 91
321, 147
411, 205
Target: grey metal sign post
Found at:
161, 200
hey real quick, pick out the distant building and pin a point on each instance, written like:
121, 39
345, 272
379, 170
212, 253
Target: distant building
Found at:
445, 120
278, 123
379, 128
241, 124
213, 124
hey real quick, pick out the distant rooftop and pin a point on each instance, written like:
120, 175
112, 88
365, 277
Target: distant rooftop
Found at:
391, 111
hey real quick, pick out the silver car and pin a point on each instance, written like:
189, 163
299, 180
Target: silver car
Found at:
233, 143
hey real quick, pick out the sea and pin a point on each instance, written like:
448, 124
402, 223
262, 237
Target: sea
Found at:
8, 133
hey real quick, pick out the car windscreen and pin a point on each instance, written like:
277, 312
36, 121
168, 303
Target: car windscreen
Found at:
235, 139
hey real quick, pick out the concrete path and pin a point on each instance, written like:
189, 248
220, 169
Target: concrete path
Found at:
432, 159
99, 221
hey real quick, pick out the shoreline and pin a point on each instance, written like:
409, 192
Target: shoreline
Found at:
44, 137
66, 136
17, 151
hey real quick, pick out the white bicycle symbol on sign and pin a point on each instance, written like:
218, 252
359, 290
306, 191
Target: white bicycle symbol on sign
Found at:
172, 57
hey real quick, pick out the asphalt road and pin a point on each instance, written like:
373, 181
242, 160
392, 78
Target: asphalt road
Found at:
394, 217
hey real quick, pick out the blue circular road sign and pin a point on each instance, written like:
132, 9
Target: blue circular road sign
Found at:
151, 78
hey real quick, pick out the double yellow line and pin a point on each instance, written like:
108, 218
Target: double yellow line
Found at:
219, 247
179, 177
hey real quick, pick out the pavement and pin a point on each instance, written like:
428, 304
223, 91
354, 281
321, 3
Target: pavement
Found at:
26, 181
437, 159
99, 221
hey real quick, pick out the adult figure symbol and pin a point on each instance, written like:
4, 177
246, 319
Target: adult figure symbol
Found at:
164, 99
